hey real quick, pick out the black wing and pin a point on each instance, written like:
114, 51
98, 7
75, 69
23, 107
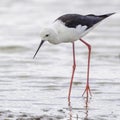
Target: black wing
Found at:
73, 20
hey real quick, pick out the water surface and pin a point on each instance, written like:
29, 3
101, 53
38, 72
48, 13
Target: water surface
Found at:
37, 88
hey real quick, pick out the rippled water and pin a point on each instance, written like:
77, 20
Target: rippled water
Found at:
33, 89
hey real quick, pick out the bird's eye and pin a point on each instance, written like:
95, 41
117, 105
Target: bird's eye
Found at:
46, 35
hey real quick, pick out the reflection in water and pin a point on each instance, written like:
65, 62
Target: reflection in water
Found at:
70, 111
86, 107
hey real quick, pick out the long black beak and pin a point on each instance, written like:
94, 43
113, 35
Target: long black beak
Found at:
38, 48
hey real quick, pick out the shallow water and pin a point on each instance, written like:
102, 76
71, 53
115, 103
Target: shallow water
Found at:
33, 89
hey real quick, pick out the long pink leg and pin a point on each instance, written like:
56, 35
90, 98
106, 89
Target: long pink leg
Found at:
87, 89
73, 71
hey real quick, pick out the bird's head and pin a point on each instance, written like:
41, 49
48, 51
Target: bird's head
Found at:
47, 34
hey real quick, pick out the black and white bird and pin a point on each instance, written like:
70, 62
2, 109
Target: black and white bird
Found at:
69, 28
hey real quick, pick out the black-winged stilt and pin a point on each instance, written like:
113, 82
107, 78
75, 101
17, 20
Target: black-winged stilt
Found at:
69, 28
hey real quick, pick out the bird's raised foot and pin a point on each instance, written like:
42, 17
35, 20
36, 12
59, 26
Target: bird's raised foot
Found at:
87, 91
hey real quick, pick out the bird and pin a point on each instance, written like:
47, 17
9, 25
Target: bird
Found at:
69, 28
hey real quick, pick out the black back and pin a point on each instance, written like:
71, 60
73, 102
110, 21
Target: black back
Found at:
73, 20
